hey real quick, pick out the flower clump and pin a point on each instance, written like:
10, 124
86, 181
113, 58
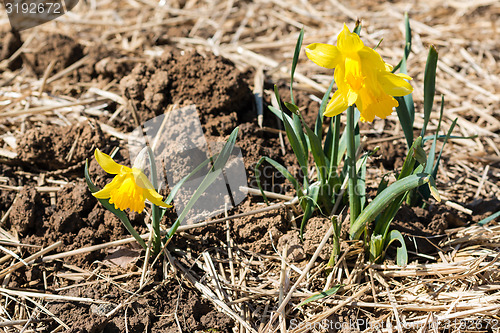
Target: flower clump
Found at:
130, 187
362, 77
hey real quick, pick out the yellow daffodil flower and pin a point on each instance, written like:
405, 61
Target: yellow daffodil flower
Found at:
130, 187
362, 77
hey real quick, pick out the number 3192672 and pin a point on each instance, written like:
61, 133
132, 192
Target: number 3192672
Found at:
17, 7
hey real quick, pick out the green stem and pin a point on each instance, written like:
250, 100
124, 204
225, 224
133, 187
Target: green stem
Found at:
336, 242
155, 214
354, 202
156, 230
336, 140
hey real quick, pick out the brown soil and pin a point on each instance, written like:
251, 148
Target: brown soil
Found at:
154, 312
11, 41
58, 47
51, 147
187, 79
104, 65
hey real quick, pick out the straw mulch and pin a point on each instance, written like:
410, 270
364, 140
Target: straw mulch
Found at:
460, 287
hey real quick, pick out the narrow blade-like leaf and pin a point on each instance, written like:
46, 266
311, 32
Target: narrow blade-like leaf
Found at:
295, 61
429, 85
320, 295
382, 200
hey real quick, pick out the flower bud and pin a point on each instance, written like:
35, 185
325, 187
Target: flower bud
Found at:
140, 160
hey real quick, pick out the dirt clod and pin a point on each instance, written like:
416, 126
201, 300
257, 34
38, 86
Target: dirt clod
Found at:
212, 83
58, 47
26, 211
52, 147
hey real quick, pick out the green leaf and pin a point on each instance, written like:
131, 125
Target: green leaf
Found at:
357, 28
432, 152
297, 126
429, 85
382, 200
405, 120
409, 162
489, 218
277, 95
336, 241
321, 295
434, 172
295, 61
420, 155
407, 36
279, 113
361, 167
298, 149
376, 247
281, 169
401, 252
318, 155
443, 136
378, 44
385, 218
211, 176
332, 146
343, 139
294, 133
311, 201
433, 189
383, 184
407, 49
119, 213
292, 107
354, 200
324, 102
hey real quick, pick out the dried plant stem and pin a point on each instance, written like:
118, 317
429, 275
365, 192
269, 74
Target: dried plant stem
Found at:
49, 296
329, 312
30, 260
42, 109
299, 280
213, 297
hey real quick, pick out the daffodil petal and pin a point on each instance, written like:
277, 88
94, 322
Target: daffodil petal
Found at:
394, 85
362, 77
349, 42
141, 180
336, 106
404, 76
105, 193
371, 60
155, 198
149, 192
110, 188
106, 162
324, 55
